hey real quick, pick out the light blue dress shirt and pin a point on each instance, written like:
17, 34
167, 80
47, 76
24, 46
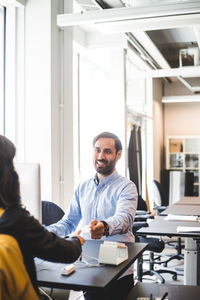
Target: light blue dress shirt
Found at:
113, 199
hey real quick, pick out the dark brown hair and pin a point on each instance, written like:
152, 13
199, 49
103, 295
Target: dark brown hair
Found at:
109, 135
9, 181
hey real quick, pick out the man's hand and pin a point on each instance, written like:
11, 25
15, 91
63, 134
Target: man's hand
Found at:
77, 234
97, 229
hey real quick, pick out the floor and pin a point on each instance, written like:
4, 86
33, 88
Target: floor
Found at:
174, 265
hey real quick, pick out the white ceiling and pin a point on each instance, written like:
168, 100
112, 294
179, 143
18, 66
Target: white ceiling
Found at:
158, 30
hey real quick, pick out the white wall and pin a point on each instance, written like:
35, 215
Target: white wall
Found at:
43, 92
182, 119
38, 89
48, 98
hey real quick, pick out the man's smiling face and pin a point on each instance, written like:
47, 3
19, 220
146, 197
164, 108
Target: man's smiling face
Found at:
105, 156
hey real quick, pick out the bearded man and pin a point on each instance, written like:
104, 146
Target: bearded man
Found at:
107, 203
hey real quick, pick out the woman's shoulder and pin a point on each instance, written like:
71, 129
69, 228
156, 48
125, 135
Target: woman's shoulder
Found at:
21, 211
17, 214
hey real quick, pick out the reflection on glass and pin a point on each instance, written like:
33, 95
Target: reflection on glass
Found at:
191, 160
196, 190
196, 176
176, 160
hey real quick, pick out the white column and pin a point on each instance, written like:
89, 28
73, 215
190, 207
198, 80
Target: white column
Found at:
67, 167
37, 121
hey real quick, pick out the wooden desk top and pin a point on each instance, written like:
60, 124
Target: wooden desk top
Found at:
84, 277
188, 201
161, 227
175, 292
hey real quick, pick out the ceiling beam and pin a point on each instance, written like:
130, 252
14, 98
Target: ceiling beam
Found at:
147, 43
151, 23
126, 16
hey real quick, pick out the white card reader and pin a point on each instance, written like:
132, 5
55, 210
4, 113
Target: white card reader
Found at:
112, 253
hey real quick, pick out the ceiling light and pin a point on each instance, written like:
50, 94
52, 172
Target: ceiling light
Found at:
181, 99
190, 71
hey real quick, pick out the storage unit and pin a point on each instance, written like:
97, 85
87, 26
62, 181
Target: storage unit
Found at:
183, 153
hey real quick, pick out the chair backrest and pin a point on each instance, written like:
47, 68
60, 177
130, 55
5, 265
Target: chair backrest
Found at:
51, 213
157, 193
15, 283
141, 203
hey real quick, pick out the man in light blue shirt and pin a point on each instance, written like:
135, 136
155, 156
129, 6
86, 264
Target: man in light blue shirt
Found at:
106, 202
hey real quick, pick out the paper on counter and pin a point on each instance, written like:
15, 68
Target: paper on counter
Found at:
171, 217
187, 229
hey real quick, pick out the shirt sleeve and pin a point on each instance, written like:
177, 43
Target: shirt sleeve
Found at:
70, 220
122, 221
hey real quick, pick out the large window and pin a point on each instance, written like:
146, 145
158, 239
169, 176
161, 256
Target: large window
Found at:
94, 106
100, 105
2, 68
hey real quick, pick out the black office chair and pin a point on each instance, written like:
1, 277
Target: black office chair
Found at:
155, 245
158, 197
51, 213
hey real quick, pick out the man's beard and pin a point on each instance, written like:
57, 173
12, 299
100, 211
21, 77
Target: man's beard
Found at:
107, 169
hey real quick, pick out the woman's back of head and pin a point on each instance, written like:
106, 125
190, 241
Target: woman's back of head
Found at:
9, 182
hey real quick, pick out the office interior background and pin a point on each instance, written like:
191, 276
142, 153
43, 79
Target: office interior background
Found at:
128, 63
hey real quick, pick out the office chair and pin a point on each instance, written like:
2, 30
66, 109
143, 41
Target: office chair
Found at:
155, 245
51, 213
15, 283
158, 198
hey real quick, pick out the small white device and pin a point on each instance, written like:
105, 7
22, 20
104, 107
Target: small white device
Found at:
66, 271
112, 253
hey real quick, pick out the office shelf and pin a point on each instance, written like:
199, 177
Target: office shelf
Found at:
183, 153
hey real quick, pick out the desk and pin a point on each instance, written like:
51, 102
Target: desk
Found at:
182, 209
188, 201
175, 292
160, 227
85, 278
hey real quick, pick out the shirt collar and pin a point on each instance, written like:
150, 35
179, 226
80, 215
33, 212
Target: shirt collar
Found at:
106, 179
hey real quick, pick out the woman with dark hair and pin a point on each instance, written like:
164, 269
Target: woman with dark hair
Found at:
32, 237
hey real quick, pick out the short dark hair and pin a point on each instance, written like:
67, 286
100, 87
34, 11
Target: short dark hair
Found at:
109, 135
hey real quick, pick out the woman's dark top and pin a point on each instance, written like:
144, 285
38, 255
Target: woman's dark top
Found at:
35, 240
